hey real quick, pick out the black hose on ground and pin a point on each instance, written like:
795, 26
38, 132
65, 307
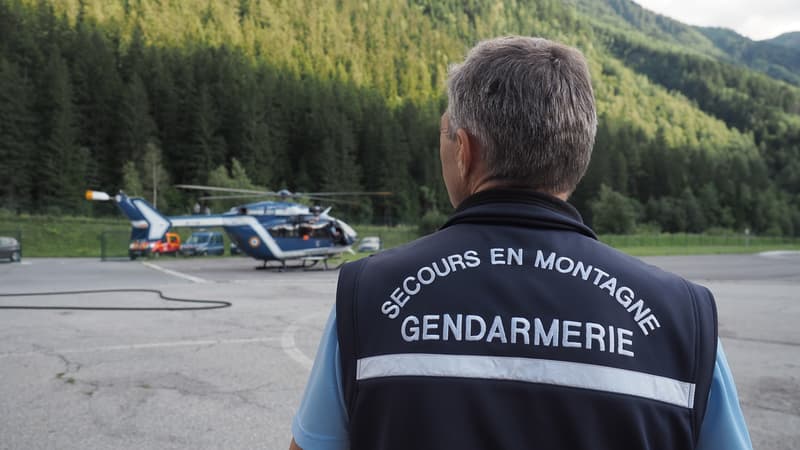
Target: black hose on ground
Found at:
211, 304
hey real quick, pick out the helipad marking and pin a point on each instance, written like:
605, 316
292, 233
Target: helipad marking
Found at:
174, 273
111, 348
780, 254
290, 346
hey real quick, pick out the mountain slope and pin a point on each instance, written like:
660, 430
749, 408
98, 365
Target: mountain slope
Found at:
791, 40
626, 16
346, 95
778, 61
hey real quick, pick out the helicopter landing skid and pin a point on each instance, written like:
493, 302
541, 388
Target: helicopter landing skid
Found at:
307, 264
315, 260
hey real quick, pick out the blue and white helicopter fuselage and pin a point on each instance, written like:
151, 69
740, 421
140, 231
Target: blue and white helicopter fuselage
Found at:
266, 230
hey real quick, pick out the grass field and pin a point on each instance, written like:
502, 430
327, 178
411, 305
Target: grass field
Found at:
704, 249
51, 236
60, 236
697, 244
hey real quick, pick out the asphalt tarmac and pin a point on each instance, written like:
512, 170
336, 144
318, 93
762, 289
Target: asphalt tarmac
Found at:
232, 378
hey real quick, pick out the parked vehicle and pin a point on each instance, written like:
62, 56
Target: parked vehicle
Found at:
204, 243
370, 244
10, 248
170, 244
137, 248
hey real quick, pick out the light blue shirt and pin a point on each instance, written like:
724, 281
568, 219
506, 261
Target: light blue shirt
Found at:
321, 420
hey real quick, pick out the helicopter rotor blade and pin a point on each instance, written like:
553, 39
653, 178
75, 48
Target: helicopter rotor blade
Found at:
336, 194
329, 200
283, 194
198, 187
226, 197
255, 196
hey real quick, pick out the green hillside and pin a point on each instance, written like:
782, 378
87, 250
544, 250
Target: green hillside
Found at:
776, 58
346, 95
791, 40
628, 17
770, 57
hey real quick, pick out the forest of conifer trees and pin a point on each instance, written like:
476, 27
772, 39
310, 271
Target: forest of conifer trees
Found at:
346, 95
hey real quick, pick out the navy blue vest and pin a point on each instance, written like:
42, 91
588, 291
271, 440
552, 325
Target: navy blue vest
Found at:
514, 328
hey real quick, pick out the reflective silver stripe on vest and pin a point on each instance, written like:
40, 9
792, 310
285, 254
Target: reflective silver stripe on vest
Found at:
559, 373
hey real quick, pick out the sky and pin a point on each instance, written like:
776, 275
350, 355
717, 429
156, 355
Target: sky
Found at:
756, 19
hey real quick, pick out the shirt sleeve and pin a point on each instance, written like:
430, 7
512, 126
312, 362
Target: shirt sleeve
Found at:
723, 426
321, 420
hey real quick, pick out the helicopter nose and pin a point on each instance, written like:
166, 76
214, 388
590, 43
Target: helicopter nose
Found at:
348, 231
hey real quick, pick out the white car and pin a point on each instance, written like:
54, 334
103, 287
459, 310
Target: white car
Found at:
370, 244
10, 248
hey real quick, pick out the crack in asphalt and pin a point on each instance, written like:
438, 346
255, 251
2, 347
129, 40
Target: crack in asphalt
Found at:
757, 405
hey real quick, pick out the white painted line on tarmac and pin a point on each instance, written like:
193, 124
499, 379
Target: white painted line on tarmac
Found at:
152, 345
780, 254
289, 344
174, 273
290, 347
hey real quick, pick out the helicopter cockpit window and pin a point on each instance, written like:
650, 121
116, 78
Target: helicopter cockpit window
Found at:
284, 230
316, 231
304, 227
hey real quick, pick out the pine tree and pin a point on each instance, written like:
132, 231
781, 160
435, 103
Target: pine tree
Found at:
136, 127
131, 180
155, 179
206, 146
17, 144
59, 164
96, 93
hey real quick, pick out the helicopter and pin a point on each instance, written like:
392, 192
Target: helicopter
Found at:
267, 231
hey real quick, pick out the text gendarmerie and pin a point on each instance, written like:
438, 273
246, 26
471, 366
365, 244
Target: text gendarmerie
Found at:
518, 330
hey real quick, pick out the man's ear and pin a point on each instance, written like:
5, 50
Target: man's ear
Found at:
465, 152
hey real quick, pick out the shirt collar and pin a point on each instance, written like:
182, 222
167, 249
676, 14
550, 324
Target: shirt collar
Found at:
505, 195
544, 211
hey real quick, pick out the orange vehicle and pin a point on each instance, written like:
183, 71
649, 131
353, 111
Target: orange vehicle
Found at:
170, 244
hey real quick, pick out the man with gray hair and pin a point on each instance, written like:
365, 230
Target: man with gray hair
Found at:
512, 326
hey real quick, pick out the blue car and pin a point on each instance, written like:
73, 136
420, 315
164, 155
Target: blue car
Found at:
204, 243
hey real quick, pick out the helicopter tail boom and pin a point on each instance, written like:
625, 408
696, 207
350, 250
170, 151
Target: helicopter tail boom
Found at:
146, 221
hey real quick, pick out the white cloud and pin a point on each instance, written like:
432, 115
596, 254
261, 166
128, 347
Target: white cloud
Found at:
757, 20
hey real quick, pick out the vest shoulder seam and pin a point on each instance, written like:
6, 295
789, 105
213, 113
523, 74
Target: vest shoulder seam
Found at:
697, 354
